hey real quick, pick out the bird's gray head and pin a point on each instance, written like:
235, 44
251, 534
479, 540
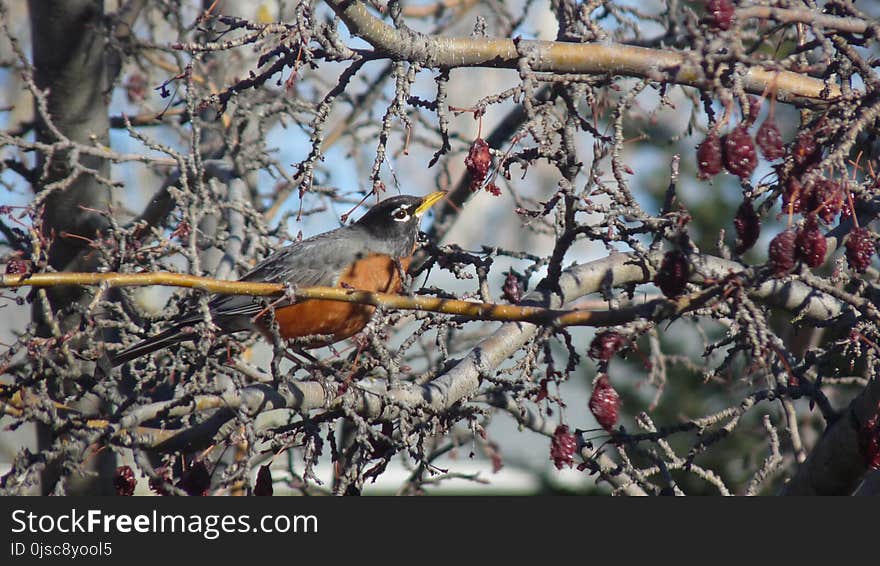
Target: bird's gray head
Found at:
396, 220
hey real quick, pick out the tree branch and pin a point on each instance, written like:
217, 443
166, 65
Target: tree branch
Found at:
562, 57
836, 464
662, 308
657, 309
788, 16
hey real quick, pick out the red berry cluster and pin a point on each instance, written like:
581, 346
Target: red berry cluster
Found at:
562, 447
818, 197
859, 249
124, 481
605, 403
805, 152
736, 151
821, 196
672, 277
263, 486
747, 225
605, 345
719, 14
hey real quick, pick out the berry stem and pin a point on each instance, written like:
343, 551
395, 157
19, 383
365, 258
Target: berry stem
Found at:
728, 111
852, 206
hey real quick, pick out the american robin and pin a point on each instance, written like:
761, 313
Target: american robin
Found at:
368, 255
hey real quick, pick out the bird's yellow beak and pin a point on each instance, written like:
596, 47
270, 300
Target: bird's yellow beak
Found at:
428, 202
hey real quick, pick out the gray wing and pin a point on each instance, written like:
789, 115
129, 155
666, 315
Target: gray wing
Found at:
317, 261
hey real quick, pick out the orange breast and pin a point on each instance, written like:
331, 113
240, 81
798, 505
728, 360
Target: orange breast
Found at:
340, 320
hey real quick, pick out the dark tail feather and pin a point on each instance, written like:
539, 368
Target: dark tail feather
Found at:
165, 338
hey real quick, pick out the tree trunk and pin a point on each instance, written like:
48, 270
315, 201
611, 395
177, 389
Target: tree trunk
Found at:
70, 49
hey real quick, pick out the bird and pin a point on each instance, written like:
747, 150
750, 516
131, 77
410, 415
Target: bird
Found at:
368, 255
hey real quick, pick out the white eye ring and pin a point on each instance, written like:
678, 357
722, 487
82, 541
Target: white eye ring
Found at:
400, 214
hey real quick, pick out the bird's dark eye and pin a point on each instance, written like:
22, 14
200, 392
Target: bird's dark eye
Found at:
401, 214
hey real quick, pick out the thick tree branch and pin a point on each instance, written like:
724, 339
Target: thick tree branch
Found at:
562, 57
836, 464
70, 66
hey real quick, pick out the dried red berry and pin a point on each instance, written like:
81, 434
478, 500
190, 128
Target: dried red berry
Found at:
562, 447
859, 249
512, 289
826, 199
124, 481
769, 139
782, 252
478, 162
810, 244
16, 266
739, 153
263, 486
493, 189
605, 403
605, 345
805, 150
719, 14
673, 275
196, 480
709, 162
747, 225
793, 196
